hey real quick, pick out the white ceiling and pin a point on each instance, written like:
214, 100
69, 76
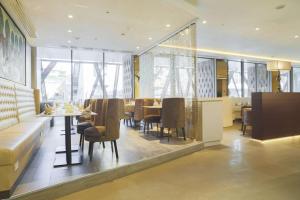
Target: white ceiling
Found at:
231, 26
95, 28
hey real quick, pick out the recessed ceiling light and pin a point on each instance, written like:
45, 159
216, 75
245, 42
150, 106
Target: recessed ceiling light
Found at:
137, 47
149, 38
123, 34
204, 22
257, 28
69, 31
168, 25
70, 16
107, 12
280, 7
69, 41
296, 36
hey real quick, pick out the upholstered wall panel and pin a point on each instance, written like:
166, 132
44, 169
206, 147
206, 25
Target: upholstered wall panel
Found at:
25, 102
205, 78
8, 109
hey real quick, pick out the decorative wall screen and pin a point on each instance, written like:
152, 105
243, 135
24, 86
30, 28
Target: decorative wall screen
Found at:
249, 79
263, 78
205, 78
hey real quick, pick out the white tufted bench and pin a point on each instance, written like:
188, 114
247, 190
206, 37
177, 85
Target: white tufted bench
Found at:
21, 133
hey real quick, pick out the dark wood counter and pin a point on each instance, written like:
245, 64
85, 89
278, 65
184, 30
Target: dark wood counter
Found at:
275, 115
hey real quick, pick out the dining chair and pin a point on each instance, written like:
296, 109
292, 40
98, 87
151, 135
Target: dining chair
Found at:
173, 115
247, 119
242, 115
110, 131
96, 106
151, 115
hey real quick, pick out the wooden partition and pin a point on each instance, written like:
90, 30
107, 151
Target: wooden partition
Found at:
275, 115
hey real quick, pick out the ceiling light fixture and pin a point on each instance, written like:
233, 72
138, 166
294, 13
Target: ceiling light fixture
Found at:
149, 38
69, 41
70, 16
228, 53
69, 31
257, 28
168, 25
107, 12
296, 36
137, 47
204, 22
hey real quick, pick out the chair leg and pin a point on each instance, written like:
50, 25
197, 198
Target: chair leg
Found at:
116, 149
80, 140
103, 144
168, 134
177, 133
112, 147
91, 148
145, 123
130, 121
161, 131
82, 145
244, 130
183, 132
151, 125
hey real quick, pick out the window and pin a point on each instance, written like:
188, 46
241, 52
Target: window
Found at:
64, 80
235, 79
249, 79
55, 72
296, 79
285, 81
263, 78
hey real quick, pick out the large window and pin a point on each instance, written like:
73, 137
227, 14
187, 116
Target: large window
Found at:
74, 75
296, 79
249, 79
285, 81
235, 79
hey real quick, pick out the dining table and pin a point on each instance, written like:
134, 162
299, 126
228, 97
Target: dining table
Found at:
73, 156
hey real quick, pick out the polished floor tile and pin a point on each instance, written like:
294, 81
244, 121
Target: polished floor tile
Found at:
240, 168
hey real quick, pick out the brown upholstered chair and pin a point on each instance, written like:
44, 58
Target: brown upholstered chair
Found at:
246, 119
242, 114
151, 116
173, 115
128, 112
110, 131
96, 106
139, 108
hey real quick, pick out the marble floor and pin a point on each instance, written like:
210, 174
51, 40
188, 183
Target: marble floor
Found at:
133, 146
240, 168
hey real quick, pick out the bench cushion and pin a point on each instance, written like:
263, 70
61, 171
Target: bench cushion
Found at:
16, 140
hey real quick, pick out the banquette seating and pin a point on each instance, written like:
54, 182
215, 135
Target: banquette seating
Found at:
21, 132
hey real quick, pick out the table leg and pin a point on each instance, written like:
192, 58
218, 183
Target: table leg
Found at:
67, 160
68, 140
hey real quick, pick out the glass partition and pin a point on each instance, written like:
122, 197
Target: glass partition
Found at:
167, 71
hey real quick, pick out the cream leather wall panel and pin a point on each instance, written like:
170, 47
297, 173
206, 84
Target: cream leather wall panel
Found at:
25, 102
8, 110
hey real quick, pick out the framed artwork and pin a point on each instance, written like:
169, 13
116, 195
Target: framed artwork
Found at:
12, 50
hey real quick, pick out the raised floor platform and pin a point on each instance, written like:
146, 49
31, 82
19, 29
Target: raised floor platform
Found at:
136, 152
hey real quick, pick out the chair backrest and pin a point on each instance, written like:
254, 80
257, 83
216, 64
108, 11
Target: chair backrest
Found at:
122, 109
138, 110
112, 119
93, 103
247, 116
99, 118
86, 103
148, 111
173, 113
